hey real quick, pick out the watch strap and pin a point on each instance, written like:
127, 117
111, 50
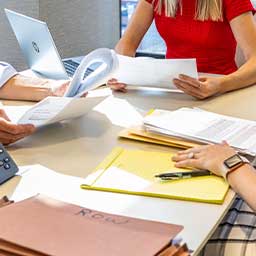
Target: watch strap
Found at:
225, 170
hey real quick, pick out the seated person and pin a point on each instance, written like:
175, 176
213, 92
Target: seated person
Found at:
236, 234
208, 30
17, 87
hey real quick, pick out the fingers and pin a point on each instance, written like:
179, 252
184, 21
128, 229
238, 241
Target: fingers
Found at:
193, 150
116, 86
192, 163
183, 157
194, 87
188, 88
192, 81
8, 127
59, 87
4, 115
7, 138
10, 133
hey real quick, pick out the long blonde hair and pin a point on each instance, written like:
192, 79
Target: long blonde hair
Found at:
205, 9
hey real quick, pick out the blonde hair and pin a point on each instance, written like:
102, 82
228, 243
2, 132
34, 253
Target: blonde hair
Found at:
205, 9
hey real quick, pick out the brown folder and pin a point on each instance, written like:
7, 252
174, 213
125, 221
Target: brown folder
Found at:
42, 226
140, 134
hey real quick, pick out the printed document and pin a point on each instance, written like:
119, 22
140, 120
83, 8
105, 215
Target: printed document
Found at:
150, 72
204, 126
52, 110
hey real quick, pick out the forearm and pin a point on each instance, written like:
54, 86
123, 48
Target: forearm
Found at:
243, 77
22, 88
124, 47
243, 181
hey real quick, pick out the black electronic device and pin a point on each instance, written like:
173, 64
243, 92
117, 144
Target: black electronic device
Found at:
8, 167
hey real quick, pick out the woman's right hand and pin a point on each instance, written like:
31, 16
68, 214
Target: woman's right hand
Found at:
116, 86
10, 133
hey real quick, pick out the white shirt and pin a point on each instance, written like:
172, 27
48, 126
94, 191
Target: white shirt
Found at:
6, 72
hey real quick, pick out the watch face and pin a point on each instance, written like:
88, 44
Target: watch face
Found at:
233, 161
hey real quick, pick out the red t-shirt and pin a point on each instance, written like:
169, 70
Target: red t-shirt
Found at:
211, 43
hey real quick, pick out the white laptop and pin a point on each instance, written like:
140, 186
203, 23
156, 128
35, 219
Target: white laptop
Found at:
39, 49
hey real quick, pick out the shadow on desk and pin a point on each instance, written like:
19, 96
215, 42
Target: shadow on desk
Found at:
92, 125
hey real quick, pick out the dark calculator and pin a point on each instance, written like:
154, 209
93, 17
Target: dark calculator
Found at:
8, 167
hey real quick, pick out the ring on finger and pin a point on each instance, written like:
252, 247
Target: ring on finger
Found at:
190, 155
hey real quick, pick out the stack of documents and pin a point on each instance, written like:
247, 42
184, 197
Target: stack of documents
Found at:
140, 133
190, 127
41, 226
201, 126
133, 172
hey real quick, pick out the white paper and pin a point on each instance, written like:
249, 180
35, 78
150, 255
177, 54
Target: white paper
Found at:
205, 126
107, 64
150, 72
37, 179
52, 110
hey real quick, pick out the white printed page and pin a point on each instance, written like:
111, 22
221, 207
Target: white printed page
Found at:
52, 110
150, 72
207, 126
44, 111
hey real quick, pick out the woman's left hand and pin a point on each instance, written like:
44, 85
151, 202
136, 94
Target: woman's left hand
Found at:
210, 157
201, 88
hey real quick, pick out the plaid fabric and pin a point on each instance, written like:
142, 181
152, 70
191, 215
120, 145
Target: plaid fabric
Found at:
236, 235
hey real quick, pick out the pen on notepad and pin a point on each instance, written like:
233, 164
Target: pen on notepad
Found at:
182, 175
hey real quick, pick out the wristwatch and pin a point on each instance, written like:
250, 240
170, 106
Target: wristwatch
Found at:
233, 163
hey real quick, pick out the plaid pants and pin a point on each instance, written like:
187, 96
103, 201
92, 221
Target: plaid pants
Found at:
236, 235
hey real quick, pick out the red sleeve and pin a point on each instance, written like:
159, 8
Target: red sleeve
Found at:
234, 8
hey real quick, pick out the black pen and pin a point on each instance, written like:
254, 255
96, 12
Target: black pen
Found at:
182, 175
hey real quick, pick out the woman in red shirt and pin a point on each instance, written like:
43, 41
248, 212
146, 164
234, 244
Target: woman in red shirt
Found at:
208, 30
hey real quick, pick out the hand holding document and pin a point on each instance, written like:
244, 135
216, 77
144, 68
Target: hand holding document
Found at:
140, 71
107, 64
150, 72
52, 110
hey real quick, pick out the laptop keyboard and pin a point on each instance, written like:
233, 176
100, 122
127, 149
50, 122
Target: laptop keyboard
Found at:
71, 67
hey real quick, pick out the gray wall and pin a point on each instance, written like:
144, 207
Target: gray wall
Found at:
9, 48
77, 26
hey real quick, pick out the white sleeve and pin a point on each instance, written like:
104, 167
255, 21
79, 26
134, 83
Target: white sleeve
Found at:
6, 72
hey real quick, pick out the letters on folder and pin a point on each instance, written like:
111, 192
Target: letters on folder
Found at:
41, 226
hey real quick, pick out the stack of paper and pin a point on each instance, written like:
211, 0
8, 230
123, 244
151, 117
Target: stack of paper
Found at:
204, 127
140, 133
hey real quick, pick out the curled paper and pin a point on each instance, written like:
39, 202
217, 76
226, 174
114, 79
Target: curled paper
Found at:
107, 64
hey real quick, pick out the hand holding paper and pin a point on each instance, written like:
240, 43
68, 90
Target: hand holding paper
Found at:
150, 72
108, 63
52, 110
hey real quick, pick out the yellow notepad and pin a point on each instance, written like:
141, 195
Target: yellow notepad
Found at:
133, 171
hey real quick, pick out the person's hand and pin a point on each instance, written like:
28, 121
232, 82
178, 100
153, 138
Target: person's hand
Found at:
116, 86
209, 157
10, 133
202, 88
59, 87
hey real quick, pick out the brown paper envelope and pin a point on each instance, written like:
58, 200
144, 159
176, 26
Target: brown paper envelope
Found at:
52, 227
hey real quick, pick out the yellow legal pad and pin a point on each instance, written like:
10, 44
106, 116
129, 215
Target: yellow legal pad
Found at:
133, 171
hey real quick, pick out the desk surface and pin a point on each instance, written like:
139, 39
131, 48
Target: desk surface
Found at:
76, 147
